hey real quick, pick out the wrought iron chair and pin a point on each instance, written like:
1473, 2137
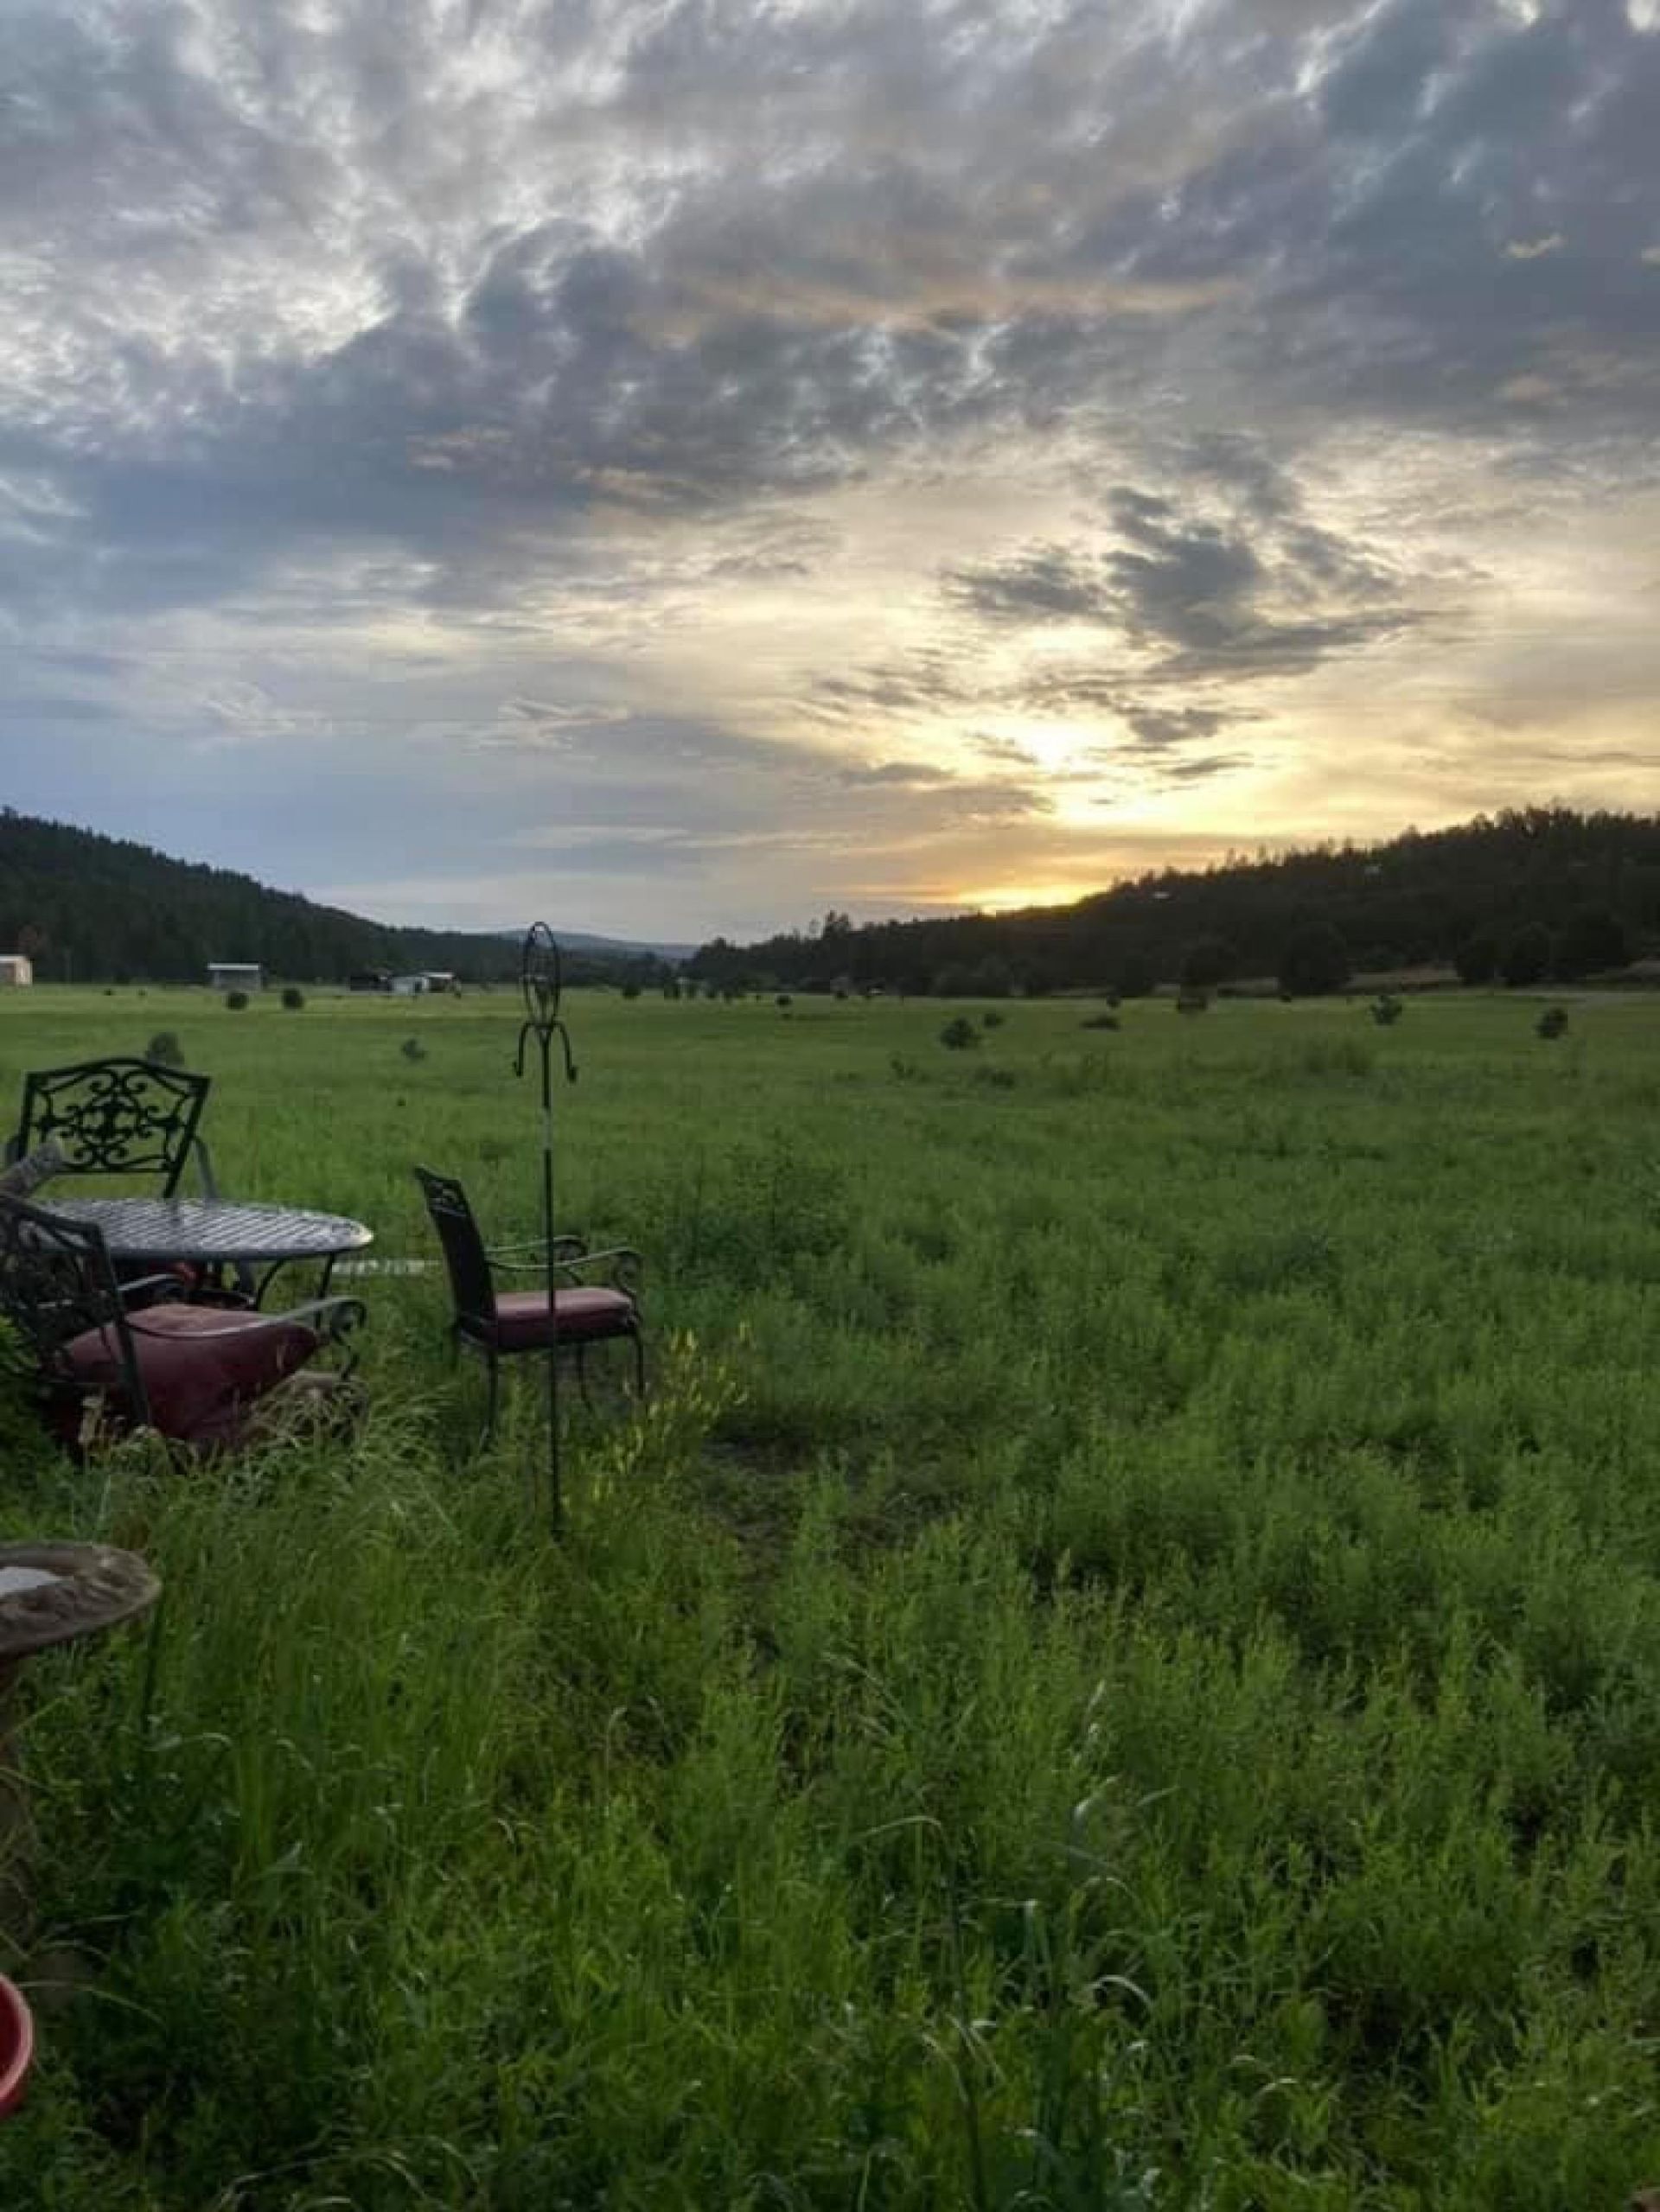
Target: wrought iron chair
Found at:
117, 1117
199, 1375
497, 1324
127, 1117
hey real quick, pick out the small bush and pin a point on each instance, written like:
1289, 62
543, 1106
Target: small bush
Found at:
784, 999
991, 1019
959, 1035
998, 1079
165, 1050
1552, 1023
412, 1049
1101, 1022
237, 1001
293, 997
1387, 1009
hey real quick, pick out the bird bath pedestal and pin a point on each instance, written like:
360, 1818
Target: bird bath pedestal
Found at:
50, 1593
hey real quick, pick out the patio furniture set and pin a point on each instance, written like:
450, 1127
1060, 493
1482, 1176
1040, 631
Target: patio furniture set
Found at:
149, 1310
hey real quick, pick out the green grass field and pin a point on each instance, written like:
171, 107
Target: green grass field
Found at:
1119, 1667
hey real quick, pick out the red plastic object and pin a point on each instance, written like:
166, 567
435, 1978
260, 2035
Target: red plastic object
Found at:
16, 2045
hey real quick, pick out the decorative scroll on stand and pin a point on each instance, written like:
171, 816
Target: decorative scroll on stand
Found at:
540, 982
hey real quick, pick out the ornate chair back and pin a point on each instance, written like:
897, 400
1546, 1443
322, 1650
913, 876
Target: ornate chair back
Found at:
56, 1285
471, 1283
116, 1116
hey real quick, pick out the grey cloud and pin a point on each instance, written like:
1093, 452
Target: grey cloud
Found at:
908, 775
1047, 583
317, 327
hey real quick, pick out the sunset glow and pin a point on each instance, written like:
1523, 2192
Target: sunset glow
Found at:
728, 463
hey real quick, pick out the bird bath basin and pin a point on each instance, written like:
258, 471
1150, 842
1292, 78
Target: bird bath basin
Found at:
50, 1594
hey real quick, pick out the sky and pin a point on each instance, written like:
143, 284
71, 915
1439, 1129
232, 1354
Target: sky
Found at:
677, 466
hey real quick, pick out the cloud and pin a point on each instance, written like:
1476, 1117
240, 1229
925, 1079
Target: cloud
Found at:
908, 774
826, 402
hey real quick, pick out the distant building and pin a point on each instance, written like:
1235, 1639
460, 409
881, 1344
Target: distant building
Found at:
442, 979
370, 979
408, 987
236, 975
16, 971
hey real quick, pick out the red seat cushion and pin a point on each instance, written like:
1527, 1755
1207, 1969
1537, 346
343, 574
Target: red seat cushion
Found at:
201, 1366
584, 1315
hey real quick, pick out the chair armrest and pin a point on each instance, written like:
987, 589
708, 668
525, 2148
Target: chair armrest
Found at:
622, 1265
572, 1258
332, 1319
565, 1248
156, 1290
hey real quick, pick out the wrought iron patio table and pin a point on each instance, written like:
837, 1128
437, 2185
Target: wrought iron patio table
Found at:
219, 1233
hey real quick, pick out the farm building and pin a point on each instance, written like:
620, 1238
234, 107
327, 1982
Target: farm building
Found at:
408, 987
441, 979
369, 979
236, 975
16, 971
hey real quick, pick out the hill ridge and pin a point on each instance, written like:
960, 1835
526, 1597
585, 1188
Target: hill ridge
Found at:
91, 907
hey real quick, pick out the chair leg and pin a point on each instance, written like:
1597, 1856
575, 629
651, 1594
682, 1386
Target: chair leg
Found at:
639, 1364
495, 1366
582, 1376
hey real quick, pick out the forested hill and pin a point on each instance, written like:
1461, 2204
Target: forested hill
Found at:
104, 909
1517, 897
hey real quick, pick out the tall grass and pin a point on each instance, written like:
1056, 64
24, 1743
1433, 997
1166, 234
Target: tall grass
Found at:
1115, 1671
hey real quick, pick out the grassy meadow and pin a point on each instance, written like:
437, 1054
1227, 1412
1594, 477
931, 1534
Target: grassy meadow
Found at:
1120, 1666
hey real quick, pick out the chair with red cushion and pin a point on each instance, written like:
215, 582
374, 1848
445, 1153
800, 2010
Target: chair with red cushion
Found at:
497, 1324
197, 1374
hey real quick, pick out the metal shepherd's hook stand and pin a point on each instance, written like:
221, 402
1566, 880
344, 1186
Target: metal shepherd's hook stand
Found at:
540, 981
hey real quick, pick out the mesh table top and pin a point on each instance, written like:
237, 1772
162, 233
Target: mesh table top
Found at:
213, 1228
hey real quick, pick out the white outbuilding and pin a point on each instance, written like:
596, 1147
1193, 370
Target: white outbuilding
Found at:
236, 975
16, 971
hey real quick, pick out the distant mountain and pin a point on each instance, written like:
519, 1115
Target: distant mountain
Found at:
1522, 896
94, 909
625, 949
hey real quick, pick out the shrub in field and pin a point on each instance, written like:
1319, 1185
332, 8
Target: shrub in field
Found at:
959, 1035
991, 1019
165, 1050
1336, 1057
1552, 1023
293, 997
784, 999
1387, 1009
1107, 1021
412, 1049
237, 1001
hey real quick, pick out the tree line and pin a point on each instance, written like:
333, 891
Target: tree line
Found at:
1519, 897
98, 909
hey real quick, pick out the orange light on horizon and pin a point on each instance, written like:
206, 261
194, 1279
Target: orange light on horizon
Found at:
1009, 898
